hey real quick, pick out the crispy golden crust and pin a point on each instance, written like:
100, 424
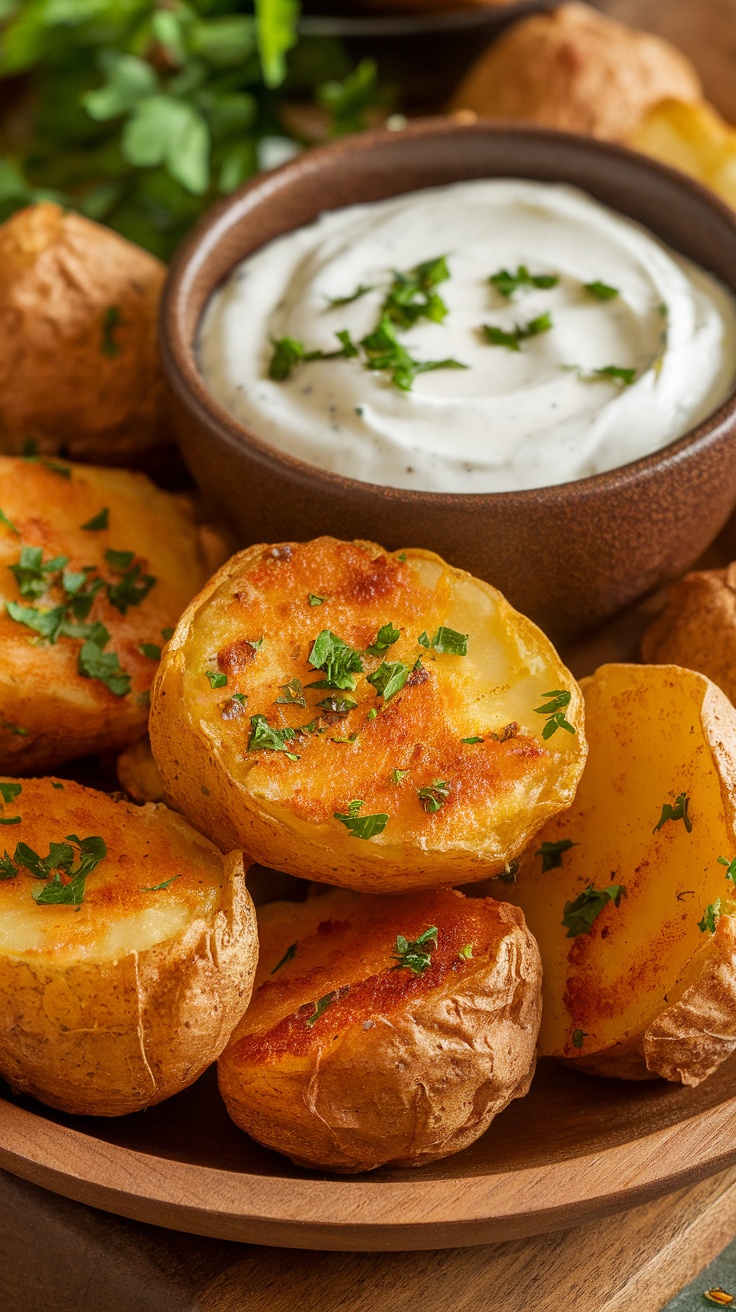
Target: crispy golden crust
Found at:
579, 71
118, 1004
49, 712
400, 1068
283, 810
646, 990
138, 774
77, 381
697, 627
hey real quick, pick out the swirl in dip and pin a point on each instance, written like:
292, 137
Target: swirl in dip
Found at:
586, 342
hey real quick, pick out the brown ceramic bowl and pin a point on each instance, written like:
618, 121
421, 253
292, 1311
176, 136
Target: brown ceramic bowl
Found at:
568, 556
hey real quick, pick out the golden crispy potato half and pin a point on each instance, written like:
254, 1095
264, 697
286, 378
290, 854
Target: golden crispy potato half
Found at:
383, 1030
381, 759
61, 697
119, 986
697, 627
634, 919
693, 138
79, 365
577, 70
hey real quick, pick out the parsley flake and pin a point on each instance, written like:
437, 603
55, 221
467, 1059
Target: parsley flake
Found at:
293, 694
507, 283
433, 796
412, 296
150, 650
109, 345
289, 954
265, 738
578, 916
102, 520
60, 861
512, 341
315, 600
216, 679
555, 712
9, 792
386, 637
414, 954
389, 679
445, 640
94, 663
470, 741
601, 290
386, 354
711, 916
678, 811
333, 302
8, 523
398, 776
730, 867
321, 1007
165, 884
339, 661
466, 952
551, 853
288, 353
132, 586
361, 826
578, 1038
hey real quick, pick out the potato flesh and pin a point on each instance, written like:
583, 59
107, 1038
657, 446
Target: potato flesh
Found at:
508, 668
120, 914
647, 744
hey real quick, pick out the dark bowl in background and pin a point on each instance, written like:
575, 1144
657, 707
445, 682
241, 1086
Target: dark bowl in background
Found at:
567, 556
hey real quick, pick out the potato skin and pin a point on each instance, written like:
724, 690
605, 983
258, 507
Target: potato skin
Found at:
401, 1069
49, 712
103, 1035
283, 812
697, 627
579, 71
67, 382
650, 993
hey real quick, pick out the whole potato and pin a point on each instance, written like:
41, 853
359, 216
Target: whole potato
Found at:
80, 374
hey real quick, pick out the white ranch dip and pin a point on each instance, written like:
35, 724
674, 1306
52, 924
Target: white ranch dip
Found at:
514, 418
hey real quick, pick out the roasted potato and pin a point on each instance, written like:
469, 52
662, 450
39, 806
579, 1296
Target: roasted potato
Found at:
315, 708
383, 1030
630, 893
128, 947
697, 627
693, 138
80, 373
138, 774
96, 566
577, 70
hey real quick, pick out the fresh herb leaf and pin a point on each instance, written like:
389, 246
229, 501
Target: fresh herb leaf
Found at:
551, 853
555, 712
98, 521
466, 952
321, 1007
512, 341
10, 820
276, 22
386, 637
334, 301
386, 354
165, 884
389, 679
730, 867
216, 679
132, 586
17, 729
9, 792
7, 869
289, 955
91, 852
433, 796
32, 574
472, 740
314, 600
167, 634
361, 826
676, 812
450, 641
610, 373
94, 663
8, 524
414, 954
711, 916
601, 290
507, 283
578, 916
578, 1038
339, 661
398, 776
265, 738
109, 346
288, 353
150, 650
293, 694
412, 295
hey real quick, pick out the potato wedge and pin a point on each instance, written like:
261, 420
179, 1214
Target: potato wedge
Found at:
627, 894
79, 366
117, 1001
59, 697
389, 763
348, 1059
693, 138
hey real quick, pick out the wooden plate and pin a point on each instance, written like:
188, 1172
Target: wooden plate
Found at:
575, 1149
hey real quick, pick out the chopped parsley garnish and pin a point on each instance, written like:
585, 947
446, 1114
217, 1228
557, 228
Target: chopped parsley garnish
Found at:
289, 954
389, 679
507, 283
98, 521
321, 1007
333, 302
32, 575
610, 373
165, 884
335, 705
216, 679
9, 792
414, 954
445, 640
433, 796
711, 916
14, 728
470, 741
398, 776
339, 661
314, 600
167, 634
578, 1038
109, 345
551, 853
150, 650
730, 867
293, 694
578, 916
386, 354
412, 295
466, 952
94, 663
351, 738
288, 353
512, 341
60, 861
265, 738
386, 637
601, 290
361, 826
678, 811
10, 820
7, 869
555, 712
8, 523
132, 586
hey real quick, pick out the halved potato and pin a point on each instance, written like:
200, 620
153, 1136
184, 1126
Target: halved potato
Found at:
310, 760
138, 774
383, 1030
697, 627
89, 547
119, 988
634, 919
693, 138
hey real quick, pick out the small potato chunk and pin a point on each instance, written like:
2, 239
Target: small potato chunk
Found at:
577, 70
697, 627
627, 894
138, 774
383, 1030
96, 566
121, 983
693, 138
80, 373
364, 719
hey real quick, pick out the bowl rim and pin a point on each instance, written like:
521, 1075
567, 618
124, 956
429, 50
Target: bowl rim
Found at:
383, 24
185, 379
